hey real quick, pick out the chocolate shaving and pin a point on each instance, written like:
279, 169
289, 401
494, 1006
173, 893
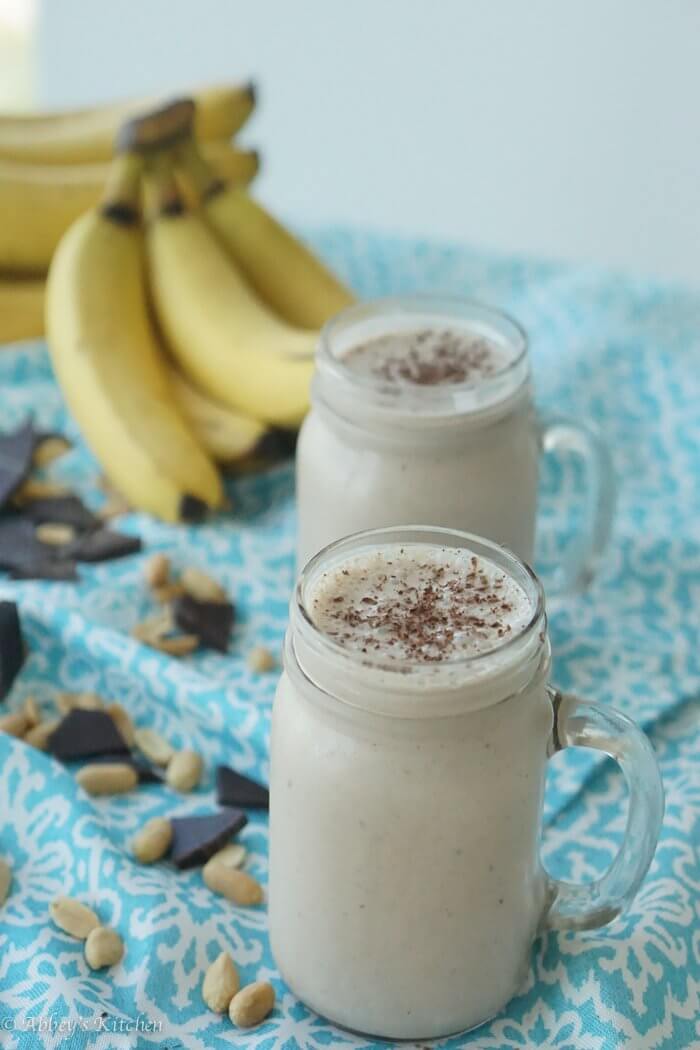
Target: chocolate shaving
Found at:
430, 357
427, 622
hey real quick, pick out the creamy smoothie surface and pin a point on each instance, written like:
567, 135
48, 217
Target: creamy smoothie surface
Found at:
418, 603
428, 357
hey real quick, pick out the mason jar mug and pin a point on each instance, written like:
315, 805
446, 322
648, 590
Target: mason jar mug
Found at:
406, 885
376, 451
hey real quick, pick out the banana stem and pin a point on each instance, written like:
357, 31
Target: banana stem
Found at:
121, 202
159, 129
163, 196
207, 183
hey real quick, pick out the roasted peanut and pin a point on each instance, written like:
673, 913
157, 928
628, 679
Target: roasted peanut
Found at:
31, 710
15, 723
178, 645
73, 917
122, 720
154, 746
49, 449
86, 701
252, 1004
103, 947
233, 855
155, 627
153, 840
5, 880
107, 778
157, 571
234, 885
37, 488
221, 982
260, 660
168, 592
184, 770
38, 736
55, 534
202, 587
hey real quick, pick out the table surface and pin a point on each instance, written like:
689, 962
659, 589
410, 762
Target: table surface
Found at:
623, 352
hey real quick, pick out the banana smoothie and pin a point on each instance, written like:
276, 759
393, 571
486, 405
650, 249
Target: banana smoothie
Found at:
405, 882
422, 414
420, 417
410, 736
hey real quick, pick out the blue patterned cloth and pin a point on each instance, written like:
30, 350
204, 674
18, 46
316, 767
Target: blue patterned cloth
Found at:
623, 352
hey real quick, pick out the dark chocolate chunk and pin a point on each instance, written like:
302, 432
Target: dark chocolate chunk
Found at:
233, 789
212, 622
17, 540
124, 757
16, 450
62, 510
12, 650
85, 734
276, 444
104, 545
51, 435
148, 774
25, 557
196, 839
54, 569
192, 509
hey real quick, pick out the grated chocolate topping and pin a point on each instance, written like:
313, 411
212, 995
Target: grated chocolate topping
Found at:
428, 357
418, 603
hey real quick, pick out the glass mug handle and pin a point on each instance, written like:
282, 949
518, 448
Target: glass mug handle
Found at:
559, 434
579, 723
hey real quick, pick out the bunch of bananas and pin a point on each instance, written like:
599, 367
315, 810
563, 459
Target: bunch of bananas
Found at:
188, 339
53, 167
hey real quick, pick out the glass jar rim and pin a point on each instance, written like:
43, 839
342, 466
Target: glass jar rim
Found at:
523, 574
458, 310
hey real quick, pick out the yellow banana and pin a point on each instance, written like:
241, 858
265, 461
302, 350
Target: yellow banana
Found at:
217, 329
88, 135
109, 364
284, 273
226, 435
39, 202
21, 309
239, 166
37, 206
